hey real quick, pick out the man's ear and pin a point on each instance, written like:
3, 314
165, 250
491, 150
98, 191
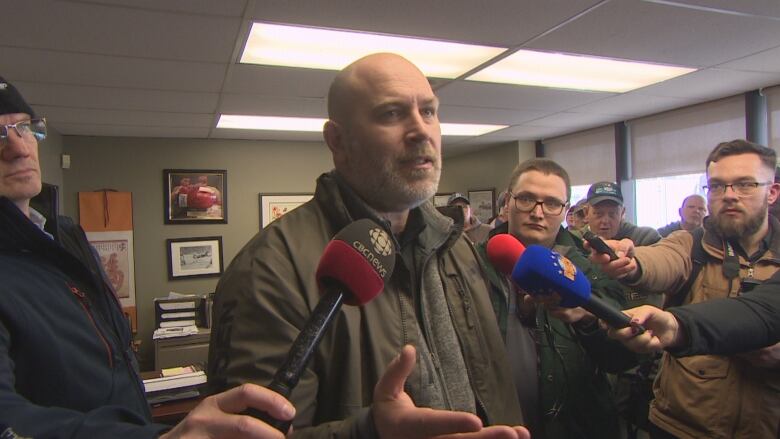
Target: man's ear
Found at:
332, 134
774, 192
622, 213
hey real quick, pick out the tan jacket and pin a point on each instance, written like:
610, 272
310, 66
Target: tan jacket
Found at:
709, 396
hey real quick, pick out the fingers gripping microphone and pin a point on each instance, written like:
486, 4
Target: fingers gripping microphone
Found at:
352, 270
540, 271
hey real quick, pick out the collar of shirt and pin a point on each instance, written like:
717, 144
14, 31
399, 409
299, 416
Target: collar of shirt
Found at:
39, 221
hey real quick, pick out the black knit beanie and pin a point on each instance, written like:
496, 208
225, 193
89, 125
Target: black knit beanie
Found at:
11, 101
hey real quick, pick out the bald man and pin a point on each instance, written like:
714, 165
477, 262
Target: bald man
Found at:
692, 213
451, 375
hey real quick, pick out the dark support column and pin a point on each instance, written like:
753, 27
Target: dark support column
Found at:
756, 126
539, 149
623, 172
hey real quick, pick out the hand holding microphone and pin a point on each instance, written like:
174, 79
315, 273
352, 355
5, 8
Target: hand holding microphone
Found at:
352, 270
541, 271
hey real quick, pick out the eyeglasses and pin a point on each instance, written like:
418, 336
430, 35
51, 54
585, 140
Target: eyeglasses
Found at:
24, 129
550, 206
740, 188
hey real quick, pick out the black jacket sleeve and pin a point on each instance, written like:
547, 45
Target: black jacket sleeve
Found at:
19, 416
732, 325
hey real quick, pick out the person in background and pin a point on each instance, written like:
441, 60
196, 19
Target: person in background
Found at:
472, 226
632, 388
607, 216
564, 347
66, 364
576, 218
692, 213
735, 396
384, 135
500, 217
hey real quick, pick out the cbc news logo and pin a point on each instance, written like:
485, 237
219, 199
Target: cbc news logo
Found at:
381, 241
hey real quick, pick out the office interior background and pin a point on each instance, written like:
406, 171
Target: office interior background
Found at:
132, 87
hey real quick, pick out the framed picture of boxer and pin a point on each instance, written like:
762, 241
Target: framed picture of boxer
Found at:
273, 206
195, 196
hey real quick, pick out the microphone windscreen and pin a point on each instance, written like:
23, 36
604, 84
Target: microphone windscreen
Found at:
359, 258
543, 271
503, 251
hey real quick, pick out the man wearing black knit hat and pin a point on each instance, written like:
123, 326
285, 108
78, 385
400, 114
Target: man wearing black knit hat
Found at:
66, 368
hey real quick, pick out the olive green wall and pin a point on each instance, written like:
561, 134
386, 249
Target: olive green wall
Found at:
136, 165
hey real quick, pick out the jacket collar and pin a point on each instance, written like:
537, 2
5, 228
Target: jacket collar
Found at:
714, 242
342, 206
17, 232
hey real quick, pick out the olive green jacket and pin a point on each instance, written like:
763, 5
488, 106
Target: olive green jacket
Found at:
575, 398
269, 290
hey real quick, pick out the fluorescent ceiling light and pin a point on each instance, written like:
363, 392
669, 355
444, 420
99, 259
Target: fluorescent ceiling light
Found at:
296, 46
577, 72
468, 129
308, 124
271, 123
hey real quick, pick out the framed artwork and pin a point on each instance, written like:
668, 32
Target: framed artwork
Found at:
115, 250
273, 206
483, 203
195, 196
194, 257
440, 200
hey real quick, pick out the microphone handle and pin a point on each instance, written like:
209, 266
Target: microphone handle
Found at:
287, 376
609, 314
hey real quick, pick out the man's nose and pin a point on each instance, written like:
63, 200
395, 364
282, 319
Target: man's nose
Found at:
14, 146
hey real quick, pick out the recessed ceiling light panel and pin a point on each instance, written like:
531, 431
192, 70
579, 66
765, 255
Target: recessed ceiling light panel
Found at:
578, 72
314, 48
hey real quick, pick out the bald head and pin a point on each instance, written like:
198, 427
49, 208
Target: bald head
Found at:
358, 77
692, 212
384, 133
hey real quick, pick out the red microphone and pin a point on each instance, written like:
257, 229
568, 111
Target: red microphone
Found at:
352, 270
504, 251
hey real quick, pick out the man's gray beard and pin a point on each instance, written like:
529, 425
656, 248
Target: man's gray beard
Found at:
731, 229
386, 190
389, 192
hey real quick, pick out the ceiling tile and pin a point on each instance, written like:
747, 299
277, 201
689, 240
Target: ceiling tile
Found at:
67, 115
711, 84
259, 105
113, 98
71, 129
279, 81
85, 27
575, 120
662, 33
107, 71
496, 116
513, 97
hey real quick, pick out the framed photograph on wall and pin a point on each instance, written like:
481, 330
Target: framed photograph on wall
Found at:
195, 196
194, 257
483, 203
440, 199
273, 206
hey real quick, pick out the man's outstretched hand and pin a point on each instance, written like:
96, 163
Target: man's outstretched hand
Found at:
396, 416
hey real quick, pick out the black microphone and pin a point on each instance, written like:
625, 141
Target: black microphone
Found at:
352, 270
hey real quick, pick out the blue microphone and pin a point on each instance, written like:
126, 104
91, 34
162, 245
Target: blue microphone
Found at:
541, 271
